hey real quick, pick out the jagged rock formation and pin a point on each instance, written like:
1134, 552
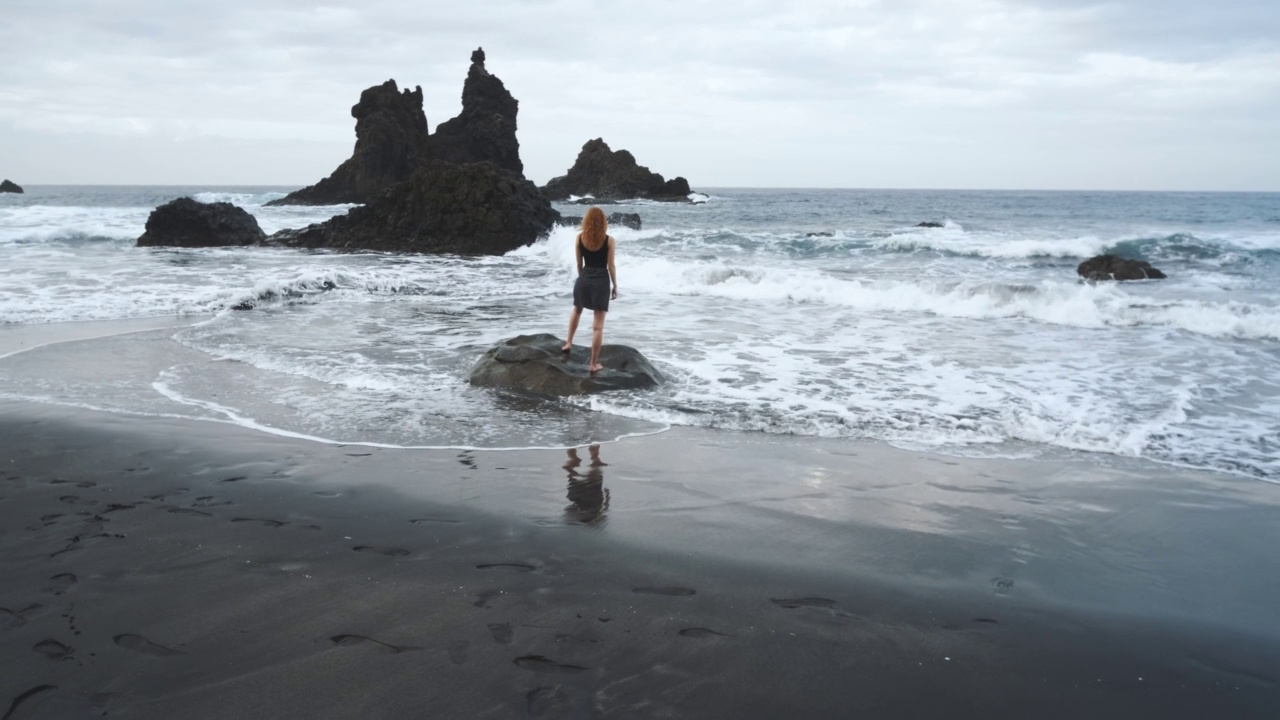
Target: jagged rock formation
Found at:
461, 193
10, 186
631, 220
486, 127
534, 364
392, 141
473, 209
187, 223
608, 175
1113, 267
391, 138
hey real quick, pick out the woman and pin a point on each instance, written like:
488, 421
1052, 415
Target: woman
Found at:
595, 272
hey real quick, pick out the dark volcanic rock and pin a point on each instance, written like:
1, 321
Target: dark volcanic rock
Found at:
608, 175
486, 127
534, 363
1112, 267
631, 220
472, 209
930, 224
10, 186
187, 223
391, 137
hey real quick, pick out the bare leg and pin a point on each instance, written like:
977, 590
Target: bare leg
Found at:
597, 339
573, 328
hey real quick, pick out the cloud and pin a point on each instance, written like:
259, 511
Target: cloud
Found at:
920, 93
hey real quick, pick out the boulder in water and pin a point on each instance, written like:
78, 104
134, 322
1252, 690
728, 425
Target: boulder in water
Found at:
188, 223
1114, 267
10, 186
930, 224
534, 364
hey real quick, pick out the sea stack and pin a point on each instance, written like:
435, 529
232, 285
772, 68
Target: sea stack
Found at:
391, 137
607, 175
10, 186
486, 127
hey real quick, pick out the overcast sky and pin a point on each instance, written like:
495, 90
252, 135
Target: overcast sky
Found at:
1053, 94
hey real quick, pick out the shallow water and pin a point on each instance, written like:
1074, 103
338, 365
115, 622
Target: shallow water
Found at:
810, 312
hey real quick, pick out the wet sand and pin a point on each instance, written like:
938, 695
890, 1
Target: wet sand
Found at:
163, 568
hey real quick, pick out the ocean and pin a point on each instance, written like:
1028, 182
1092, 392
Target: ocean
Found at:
825, 313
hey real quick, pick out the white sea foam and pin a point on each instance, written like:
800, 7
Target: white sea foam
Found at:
974, 335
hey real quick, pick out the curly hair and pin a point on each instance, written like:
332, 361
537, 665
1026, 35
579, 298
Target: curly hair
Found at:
594, 229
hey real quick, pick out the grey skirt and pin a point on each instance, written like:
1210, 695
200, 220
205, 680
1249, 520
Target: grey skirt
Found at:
591, 290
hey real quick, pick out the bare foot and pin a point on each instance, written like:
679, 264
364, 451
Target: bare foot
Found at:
596, 367
566, 348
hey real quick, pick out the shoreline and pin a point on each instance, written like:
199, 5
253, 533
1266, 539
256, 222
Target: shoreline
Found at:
163, 568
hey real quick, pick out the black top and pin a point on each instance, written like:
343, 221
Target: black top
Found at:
595, 258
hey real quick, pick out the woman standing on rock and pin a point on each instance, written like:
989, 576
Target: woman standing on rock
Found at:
594, 250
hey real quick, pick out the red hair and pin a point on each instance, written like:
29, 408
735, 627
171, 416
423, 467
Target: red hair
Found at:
594, 229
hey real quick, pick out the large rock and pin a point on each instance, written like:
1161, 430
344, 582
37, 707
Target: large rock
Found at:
631, 220
607, 175
391, 138
472, 209
187, 223
534, 364
486, 127
10, 186
1113, 267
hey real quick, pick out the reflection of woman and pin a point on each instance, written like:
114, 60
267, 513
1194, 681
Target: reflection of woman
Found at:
587, 493
594, 249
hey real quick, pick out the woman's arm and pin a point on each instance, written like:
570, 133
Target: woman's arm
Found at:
577, 252
613, 271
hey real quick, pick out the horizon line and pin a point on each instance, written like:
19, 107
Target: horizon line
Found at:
294, 186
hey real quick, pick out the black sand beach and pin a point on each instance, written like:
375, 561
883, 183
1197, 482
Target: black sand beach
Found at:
161, 568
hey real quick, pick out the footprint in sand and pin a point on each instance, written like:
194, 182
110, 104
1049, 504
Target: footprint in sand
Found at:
28, 696
701, 633
10, 619
547, 702
261, 521
233, 479
1002, 584
670, 591
793, 603
389, 552
139, 644
518, 567
188, 511
502, 633
458, 652
540, 664
349, 640
52, 649
60, 583
168, 493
